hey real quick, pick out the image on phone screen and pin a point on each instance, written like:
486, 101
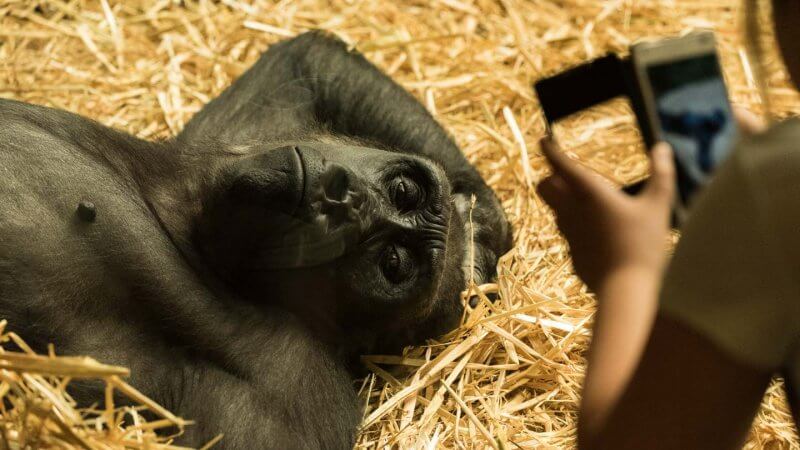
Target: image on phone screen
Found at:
695, 117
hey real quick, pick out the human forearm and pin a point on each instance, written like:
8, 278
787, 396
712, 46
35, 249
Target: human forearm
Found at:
617, 247
627, 303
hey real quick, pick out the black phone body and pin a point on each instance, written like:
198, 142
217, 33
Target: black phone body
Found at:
581, 87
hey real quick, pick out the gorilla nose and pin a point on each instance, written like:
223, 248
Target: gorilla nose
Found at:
341, 200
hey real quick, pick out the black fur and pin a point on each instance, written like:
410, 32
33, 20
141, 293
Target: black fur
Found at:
313, 211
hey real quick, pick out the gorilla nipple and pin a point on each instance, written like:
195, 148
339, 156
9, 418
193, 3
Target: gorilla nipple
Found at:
87, 211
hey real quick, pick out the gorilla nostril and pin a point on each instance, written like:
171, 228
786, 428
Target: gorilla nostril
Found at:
336, 184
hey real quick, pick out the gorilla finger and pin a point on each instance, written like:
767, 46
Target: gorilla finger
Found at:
475, 299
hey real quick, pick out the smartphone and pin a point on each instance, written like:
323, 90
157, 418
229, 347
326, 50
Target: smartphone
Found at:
581, 87
685, 103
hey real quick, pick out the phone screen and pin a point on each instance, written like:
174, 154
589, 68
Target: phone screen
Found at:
695, 117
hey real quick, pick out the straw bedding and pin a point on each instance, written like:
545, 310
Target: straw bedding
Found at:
511, 376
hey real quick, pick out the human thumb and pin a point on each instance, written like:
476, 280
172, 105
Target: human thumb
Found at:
661, 185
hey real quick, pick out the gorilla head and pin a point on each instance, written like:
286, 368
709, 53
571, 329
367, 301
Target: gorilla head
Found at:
359, 241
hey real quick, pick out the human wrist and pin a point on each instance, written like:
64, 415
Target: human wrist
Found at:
639, 279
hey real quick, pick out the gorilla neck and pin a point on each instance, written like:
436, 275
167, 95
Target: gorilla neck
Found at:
173, 180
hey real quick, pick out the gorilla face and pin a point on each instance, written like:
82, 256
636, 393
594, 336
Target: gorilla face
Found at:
362, 238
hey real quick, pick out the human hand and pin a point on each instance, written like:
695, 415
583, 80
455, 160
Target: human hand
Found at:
609, 231
748, 122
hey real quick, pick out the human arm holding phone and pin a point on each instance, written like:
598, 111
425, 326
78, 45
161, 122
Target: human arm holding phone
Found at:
617, 243
652, 381
728, 315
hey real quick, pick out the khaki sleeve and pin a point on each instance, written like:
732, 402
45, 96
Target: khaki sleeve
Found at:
728, 278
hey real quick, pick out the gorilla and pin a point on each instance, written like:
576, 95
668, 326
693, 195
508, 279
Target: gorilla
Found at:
702, 128
312, 212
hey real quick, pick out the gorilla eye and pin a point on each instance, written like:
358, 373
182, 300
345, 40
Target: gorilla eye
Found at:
395, 264
406, 194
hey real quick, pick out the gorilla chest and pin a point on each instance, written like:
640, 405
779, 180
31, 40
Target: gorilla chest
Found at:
77, 247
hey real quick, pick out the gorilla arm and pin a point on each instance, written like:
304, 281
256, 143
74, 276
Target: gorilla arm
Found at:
312, 84
303, 399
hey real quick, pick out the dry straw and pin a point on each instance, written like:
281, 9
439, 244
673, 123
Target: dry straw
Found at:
36, 411
510, 376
